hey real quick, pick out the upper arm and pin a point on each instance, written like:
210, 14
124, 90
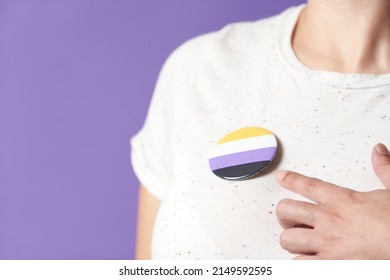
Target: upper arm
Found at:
148, 206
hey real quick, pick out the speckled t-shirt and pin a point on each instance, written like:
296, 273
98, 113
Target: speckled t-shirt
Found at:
247, 74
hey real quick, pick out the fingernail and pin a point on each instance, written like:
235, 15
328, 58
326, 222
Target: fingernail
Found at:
381, 149
281, 174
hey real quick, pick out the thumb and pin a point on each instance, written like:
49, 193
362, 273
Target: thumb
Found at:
380, 159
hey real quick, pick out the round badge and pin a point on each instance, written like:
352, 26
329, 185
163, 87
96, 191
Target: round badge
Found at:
243, 153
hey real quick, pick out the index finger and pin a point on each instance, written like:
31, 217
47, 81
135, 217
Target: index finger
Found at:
312, 188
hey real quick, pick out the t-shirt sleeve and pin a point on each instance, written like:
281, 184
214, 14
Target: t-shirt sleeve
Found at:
151, 146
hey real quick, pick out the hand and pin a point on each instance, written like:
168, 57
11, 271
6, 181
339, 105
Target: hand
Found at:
342, 223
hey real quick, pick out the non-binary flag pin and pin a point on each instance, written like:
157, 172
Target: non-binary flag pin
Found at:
243, 153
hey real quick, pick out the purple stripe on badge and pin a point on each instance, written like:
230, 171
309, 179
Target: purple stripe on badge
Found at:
264, 154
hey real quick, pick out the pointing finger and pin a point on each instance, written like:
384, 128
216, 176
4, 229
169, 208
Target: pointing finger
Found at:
311, 188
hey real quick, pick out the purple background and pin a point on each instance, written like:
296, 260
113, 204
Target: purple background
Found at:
76, 78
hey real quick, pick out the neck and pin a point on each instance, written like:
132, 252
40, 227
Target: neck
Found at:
349, 36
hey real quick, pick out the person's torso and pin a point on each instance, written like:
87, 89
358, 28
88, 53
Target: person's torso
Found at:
323, 131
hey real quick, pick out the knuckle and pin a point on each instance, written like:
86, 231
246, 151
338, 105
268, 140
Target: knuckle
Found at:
330, 240
332, 216
312, 182
351, 195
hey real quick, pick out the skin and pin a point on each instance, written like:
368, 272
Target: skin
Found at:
147, 210
340, 223
347, 36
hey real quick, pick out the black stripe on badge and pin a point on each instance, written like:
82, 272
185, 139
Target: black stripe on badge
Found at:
242, 171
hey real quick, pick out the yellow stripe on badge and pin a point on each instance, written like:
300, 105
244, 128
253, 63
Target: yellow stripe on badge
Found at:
246, 132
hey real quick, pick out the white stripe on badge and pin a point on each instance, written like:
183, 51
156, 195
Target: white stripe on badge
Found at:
243, 145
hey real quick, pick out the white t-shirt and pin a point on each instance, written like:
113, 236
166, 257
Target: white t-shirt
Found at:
247, 74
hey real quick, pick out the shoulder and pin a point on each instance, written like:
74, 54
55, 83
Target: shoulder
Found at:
236, 49
233, 40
